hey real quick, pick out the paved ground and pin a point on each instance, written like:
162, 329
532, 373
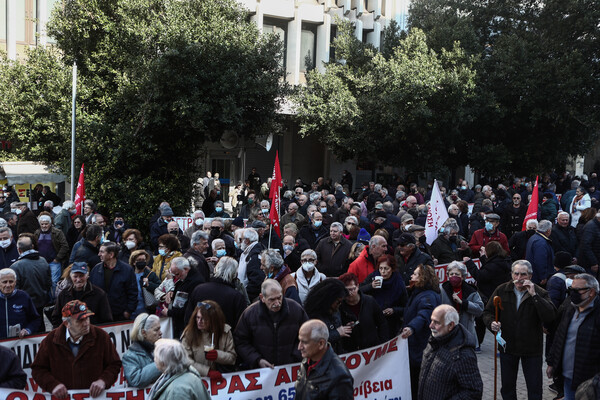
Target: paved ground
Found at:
486, 368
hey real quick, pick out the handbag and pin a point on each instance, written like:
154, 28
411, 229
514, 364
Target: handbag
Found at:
149, 299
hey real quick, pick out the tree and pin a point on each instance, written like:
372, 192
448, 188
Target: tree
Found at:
537, 77
157, 79
402, 107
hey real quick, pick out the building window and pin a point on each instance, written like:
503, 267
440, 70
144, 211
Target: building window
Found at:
308, 45
278, 27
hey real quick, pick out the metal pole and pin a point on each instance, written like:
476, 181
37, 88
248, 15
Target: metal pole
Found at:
73, 131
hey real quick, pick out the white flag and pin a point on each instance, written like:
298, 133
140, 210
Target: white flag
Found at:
437, 214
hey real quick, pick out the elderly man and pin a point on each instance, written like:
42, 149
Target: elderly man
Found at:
344, 210
87, 251
449, 246
293, 246
292, 215
159, 228
186, 279
118, 280
265, 335
273, 267
513, 216
249, 271
33, 273
82, 289
526, 307
198, 217
575, 353
76, 355
322, 374
199, 245
540, 253
367, 259
409, 257
333, 251
219, 210
563, 235
63, 219
488, 233
589, 247
217, 232
20, 317
12, 375
267, 236
28, 223
449, 368
52, 245
314, 231
184, 241
8, 248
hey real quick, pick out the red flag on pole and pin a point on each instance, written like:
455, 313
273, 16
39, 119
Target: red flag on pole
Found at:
275, 196
80, 193
532, 209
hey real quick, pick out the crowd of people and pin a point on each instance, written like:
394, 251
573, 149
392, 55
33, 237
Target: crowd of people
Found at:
352, 268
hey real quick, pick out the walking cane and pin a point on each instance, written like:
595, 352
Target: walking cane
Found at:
497, 305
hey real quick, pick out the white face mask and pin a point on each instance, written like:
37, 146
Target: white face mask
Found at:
568, 281
18, 211
130, 244
5, 243
199, 222
308, 266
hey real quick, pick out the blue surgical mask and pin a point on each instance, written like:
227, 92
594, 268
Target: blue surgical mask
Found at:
221, 252
318, 223
265, 211
218, 209
463, 187
162, 252
270, 275
489, 226
323, 210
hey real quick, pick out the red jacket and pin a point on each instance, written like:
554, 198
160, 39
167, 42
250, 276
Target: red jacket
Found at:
481, 237
55, 364
363, 265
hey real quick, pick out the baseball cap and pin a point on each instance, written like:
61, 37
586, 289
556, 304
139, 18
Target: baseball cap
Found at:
77, 309
80, 266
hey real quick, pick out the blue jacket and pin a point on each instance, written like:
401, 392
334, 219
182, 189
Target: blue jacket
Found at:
138, 365
18, 308
541, 256
8, 255
417, 315
122, 291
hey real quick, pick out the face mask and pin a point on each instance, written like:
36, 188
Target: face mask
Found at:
215, 232
422, 240
162, 252
119, 224
199, 222
323, 210
13, 210
463, 188
576, 298
174, 233
455, 281
218, 209
407, 227
568, 281
140, 264
270, 275
250, 201
72, 212
221, 252
288, 247
308, 266
244, 246
218, 192
453, 239
101, 239
318, 223
265, 211
130, 244
18, 211
489, 226
236, 244
4, 243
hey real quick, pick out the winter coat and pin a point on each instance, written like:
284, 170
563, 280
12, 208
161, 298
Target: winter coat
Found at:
63, 221
471, 307
162, 265
185, 385
288, 284
186, 285
331, 257
417, 316
576, 207
254, 273
589, 246
446, 252
541, 256
523, 328
59, 242
95, 299
494, 272
589, 390
481, 237
303, 285
313, 236
88, 253
392, 294
200, 263
138, 365
407, 267
18, 308
122, 290
548, 210
449, 369
12, 375
372, 328
224, 346
330, 379
55, 364
564, 239
587, 345
363, 265
557, 288
257, 336
28, 222
8, 255
512, 219
33, 276
221, 292
518, 244
157, 229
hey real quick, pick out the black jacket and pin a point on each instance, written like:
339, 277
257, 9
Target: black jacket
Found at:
494, 272
122, 291
187, 285
94, 297
564, 239
372, 329
313, 236
446, 251
255, 275
87, 253
12, 375
518, 244
449, 369
512, 219
198, 261
589, 247
329, 380
331, 258
33, 277
406, 268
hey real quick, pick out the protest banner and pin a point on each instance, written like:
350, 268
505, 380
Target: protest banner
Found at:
440, 270
380, 372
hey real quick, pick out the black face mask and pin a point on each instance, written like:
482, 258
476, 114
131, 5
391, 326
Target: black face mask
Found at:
576, 297
422, 240
140, 264
215, 232
174, 233
453, 239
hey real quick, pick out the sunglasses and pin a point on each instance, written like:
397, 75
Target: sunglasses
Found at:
205, 305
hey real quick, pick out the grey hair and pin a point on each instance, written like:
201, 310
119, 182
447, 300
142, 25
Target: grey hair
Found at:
6, 229
575, 184
67, 205
45, 218
171, 354
345, 200
215, 242
198, 212
180, 263
590, 281
49, 203
142, 323
450, 314
217, 219
226, 269
218, 202
532, 222
199, 235
4, 224
288, 194
351, 218
8, 271
459, 266
337, 225
522, 262
544, 225
269, 284
251, 235
377, 187
272, 258
563, 213
388, 207
375, 240
265, 203
293, 206
310, 252
319, 330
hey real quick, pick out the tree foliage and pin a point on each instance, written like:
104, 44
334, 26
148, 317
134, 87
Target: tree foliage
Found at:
401, 107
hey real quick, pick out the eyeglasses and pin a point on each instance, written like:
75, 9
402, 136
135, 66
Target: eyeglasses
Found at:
350, 223
579, 290
205, 305
516, 198
308, 260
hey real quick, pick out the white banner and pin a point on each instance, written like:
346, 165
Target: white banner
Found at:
437, 214
380, 372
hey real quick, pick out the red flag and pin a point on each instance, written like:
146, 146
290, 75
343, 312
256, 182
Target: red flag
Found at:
532, 210
275, 196
80, 194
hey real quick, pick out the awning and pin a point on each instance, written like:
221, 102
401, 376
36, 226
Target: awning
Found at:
22, 172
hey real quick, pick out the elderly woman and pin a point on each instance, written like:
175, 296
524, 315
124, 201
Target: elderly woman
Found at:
208, 340
18, 316
423, 298
218, 251
580, 202
168, 249
179, 380
146, 279
132, 241
219, 211
308, 276
462, 296
138, 361
272, 265
351, 228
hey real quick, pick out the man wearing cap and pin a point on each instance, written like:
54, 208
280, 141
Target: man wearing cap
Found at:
418, 231
159, 228
267, 236
409, 257
76, 355
83, 290
540, 254
489, 233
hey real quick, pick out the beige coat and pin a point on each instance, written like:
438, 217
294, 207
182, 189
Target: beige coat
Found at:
224, 346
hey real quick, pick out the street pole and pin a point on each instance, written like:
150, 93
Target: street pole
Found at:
73, 131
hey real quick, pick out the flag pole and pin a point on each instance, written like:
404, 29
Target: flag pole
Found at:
73, 130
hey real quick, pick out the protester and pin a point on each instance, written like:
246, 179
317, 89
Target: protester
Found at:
168, 246
365, 262
138, 361
145, 278
308, 276
20, 317
12, 375
333, 251
273, 267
